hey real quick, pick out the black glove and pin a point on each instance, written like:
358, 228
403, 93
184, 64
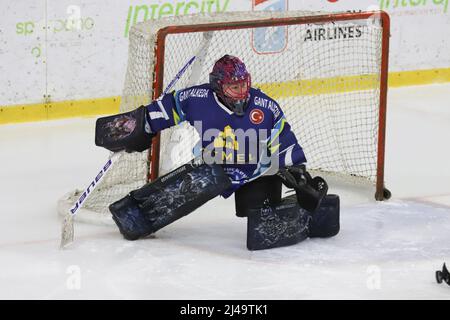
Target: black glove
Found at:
310, 191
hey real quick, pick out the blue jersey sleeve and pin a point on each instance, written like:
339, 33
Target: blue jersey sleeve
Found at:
165, 112
283, 144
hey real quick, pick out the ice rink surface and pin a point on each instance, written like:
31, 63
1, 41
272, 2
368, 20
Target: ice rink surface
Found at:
385, 250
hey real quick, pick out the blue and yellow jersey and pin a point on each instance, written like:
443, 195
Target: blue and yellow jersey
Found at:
247, 146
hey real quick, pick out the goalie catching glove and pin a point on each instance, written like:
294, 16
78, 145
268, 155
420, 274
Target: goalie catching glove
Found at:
128, 131
310, 191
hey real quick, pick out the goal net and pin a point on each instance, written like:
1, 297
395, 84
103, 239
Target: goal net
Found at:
327, 71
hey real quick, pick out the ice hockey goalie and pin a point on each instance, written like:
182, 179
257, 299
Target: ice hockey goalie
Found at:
247, 148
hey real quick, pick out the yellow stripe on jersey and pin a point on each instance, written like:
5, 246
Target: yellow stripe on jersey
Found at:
176, 117
279, 126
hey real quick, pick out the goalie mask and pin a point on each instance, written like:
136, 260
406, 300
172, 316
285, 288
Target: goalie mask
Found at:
231, 82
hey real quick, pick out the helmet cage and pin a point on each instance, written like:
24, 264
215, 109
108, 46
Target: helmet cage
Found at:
231, 82
236, 89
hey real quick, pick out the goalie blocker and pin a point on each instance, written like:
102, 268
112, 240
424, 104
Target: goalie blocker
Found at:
127, 131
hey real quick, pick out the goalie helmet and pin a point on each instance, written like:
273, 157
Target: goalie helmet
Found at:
231, 82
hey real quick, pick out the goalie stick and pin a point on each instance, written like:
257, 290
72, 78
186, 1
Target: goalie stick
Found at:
67, 233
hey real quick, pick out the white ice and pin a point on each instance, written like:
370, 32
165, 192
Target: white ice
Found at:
385, 250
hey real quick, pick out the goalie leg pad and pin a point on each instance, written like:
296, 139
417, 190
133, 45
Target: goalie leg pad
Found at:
129, 218
167, 199
280, 225
126, 131
325, 220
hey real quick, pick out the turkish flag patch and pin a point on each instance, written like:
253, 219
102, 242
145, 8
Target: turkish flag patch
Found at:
256, 116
